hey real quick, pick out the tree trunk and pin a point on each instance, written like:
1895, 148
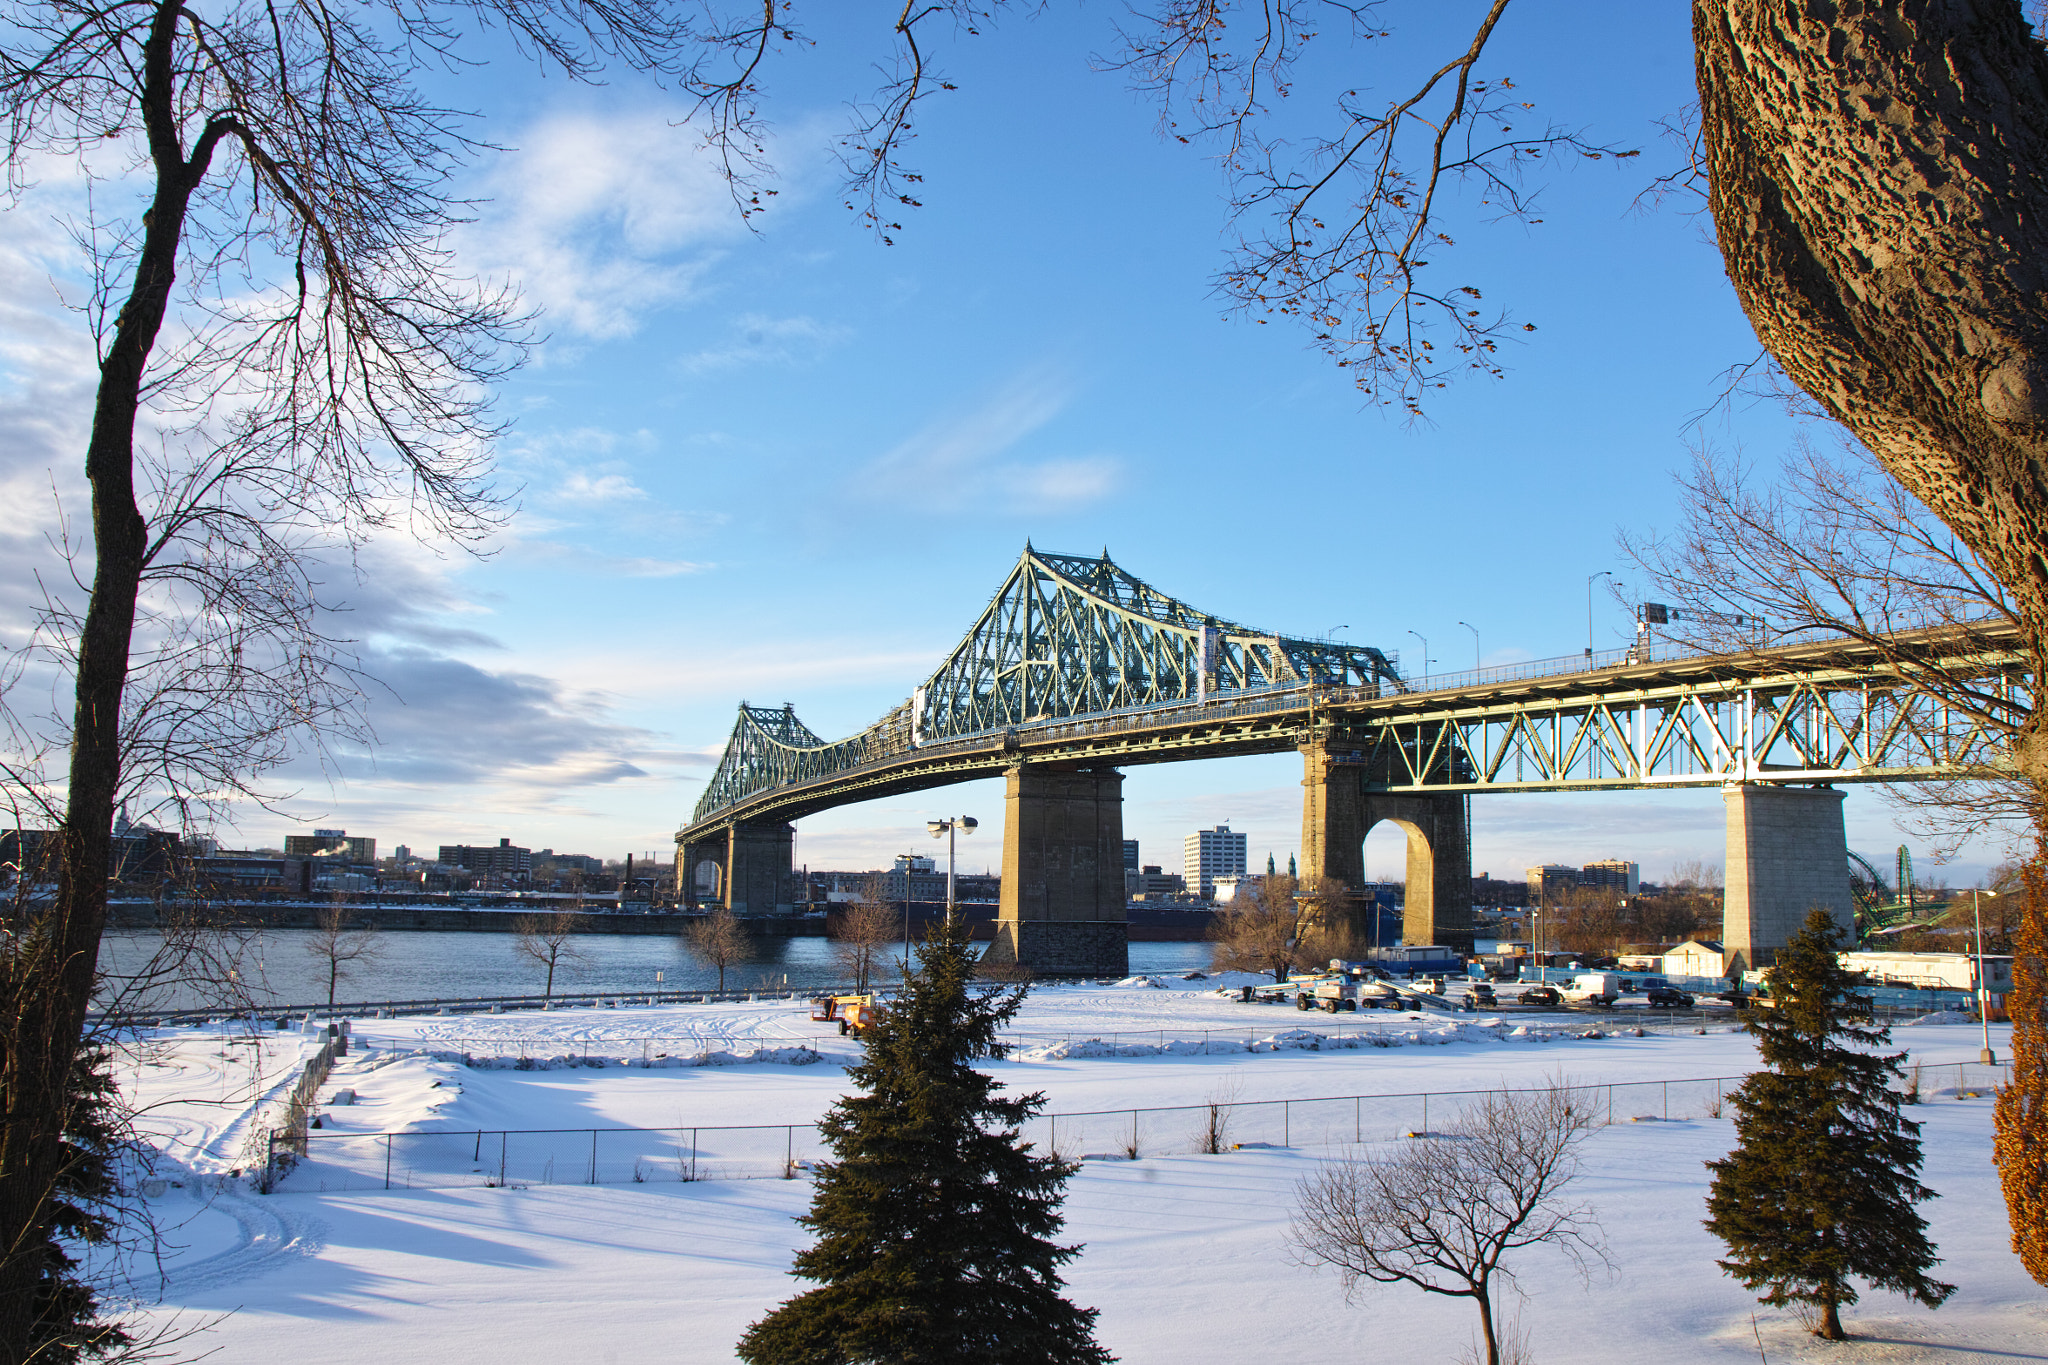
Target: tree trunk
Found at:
1831, 1323
49, 1002
1875, 188
1486, 1329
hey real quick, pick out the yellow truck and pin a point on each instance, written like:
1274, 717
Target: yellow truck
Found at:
851, 1012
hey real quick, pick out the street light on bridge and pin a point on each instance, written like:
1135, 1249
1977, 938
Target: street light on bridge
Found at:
1475, 643
951, 828
1425, 651
1604, 573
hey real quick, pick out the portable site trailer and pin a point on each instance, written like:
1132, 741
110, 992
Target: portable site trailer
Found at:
1419, 959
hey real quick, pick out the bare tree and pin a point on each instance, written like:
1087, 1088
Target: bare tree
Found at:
324, 373
1444, 1211
1587, 920
1257, 930
717, 940
1694, 875
1675, 915
1332, 924
866, 930
549, 939
340, 949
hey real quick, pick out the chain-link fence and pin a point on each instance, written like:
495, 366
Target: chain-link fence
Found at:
683, 1046
442, 1159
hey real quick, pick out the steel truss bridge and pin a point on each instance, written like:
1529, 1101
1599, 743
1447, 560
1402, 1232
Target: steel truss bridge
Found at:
1076, 661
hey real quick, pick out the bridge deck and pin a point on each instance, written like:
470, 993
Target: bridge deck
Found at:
1831, 711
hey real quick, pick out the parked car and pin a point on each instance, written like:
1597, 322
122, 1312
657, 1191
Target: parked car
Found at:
1540, 995
1667, 997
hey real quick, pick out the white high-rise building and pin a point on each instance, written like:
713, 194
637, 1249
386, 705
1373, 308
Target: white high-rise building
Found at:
1209, 854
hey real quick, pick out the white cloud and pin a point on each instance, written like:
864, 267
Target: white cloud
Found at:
602, 218
1062, 483
603, 488
582, 559
758, 340
580, 476
959, 462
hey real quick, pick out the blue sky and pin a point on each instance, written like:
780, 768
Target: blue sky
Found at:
792, 464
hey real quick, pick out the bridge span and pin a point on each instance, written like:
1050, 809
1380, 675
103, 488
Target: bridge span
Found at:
1077, 670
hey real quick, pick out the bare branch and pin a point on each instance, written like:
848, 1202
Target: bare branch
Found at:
1443, 1211
1337, 232
1833, 547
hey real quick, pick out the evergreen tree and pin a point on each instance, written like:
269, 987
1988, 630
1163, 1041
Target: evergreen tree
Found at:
70, 1325
934, 1224
1823, 1181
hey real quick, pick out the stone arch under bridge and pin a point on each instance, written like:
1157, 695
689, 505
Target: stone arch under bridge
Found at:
1339, 808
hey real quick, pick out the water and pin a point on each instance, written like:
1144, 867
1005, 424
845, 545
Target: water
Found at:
278, 968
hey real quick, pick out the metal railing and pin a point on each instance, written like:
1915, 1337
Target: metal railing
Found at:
450, 1158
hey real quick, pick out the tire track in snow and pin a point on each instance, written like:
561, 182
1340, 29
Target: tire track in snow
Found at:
269, 1236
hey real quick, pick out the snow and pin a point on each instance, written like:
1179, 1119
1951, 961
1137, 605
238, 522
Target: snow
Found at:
1185, 1253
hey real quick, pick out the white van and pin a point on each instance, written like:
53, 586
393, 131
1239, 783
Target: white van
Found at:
1593, 988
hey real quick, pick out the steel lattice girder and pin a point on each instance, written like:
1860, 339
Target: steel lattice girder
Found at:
1065, 636
1812, 726
1774, 716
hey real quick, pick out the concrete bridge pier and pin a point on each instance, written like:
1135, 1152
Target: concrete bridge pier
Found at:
1062, 909
760, 872
1333, 831
1787, 854
1338, 810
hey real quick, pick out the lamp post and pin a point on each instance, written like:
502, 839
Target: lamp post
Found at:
1475, 643
952, 827
1604, 573
1987, 1057
1425, 651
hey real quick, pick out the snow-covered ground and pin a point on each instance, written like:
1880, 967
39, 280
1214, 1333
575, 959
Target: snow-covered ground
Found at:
1185, 1252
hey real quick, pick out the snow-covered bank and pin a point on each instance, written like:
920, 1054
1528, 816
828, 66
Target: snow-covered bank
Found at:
1184, 1253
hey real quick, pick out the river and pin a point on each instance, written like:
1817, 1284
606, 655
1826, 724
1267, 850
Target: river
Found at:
280, 967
